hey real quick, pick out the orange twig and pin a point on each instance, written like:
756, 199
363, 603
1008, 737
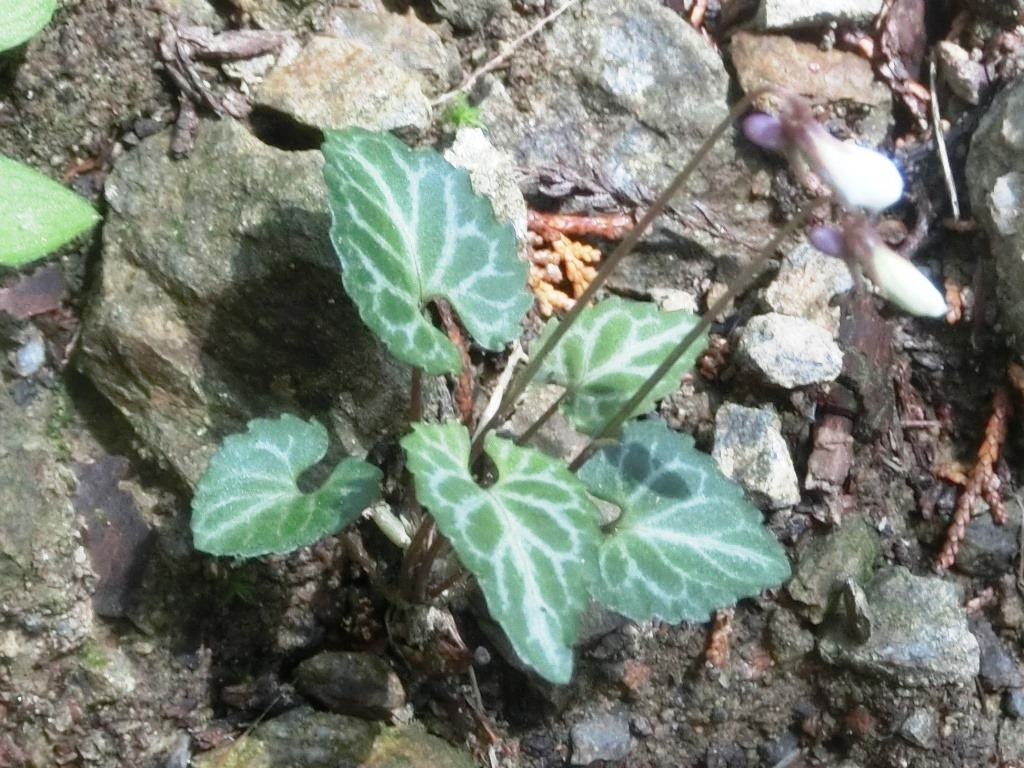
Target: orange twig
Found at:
982, 481
463, 394
717, 653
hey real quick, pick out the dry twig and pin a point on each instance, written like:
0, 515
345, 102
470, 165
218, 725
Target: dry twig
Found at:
981, 482
717, 653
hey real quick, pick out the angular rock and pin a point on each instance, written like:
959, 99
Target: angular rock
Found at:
825, 562
600, 736
921, 728
750, 448
789, 351
785, 14
988, 550
220, 300
806, 284
919, 634
403, 38
823, 77
995, 181
337, 83
997, 671
350, 683
967, 78
470, 15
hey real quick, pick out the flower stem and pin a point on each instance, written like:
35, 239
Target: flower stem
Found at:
736, 287
624, 248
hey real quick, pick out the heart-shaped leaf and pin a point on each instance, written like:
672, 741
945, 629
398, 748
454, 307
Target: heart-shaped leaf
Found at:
609, 353
248, 503
687, 542
530, 538
21, 19
408, 228
37, 214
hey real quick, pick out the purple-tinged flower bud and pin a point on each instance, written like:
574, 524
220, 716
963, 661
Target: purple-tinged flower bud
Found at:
828, 240
859, 176
895, 277
764, 130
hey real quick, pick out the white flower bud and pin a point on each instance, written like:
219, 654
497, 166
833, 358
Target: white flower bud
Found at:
899, 281
894, 277
859, 176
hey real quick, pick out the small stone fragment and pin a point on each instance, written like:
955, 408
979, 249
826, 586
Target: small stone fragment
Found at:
750, 449
921, 728
998, 671
361, 684
988, 550
469, 15
789, 351
919, 634
807, 282
966, 77
825, 563
602, 736
1013, 703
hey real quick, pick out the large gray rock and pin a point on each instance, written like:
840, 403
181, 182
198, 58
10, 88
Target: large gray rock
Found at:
995, 181
918, 637
220, 300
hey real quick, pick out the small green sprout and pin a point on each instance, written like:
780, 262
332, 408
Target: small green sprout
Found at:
462, 114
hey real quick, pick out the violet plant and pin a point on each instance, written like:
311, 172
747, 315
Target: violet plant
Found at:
409, 230
861, 179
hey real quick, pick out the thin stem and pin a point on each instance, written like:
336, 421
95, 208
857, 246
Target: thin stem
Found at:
625, 247
414, 555
447, 583
416, 396
736, 287
420, 587
541, 420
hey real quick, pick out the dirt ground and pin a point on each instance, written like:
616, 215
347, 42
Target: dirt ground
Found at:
87, 89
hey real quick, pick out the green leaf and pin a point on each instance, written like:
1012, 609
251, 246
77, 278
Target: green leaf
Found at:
530, 538
37, 214
21, 19
609, 352
687, 542
408, 228
248, 502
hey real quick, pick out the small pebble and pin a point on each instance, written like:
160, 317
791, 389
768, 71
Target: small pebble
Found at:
603, 736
